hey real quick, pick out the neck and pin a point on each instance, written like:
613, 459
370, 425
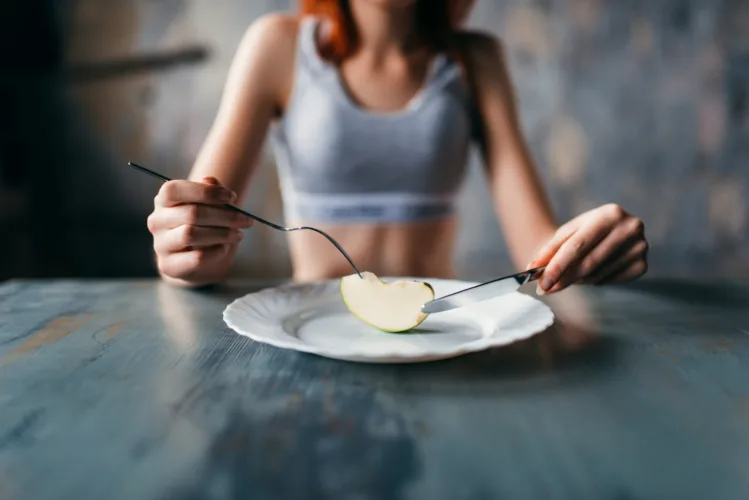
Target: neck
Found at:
383, 29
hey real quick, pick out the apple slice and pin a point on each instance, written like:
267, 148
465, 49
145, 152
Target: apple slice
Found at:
390, 307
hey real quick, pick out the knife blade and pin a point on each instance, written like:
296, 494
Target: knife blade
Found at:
482, 291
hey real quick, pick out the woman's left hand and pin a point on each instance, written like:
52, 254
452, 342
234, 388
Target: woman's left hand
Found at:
604, 245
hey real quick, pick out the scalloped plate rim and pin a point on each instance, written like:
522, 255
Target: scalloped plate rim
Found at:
482, 343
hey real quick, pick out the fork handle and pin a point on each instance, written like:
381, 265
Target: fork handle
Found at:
255, 217
227, 205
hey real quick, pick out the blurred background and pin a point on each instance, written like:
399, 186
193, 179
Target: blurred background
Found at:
640, 102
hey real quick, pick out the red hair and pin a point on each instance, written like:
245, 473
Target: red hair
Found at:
436, 20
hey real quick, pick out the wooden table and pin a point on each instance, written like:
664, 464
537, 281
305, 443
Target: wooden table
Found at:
136, 390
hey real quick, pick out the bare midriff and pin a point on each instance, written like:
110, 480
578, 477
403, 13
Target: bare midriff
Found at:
422, 249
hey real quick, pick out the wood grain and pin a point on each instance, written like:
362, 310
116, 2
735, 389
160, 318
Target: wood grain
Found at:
130, 389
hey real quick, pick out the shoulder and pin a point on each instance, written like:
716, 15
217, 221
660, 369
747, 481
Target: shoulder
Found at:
485, 66
271, 35
485, 63
480, 48
264, 60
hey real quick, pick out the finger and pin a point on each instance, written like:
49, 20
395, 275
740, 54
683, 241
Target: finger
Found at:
625, 271
544, 255
190, 237
177, 192
621, 256
614, 244
614, 259
572, 250
197, 215
636, 252
211, 180
185, 265
630, 273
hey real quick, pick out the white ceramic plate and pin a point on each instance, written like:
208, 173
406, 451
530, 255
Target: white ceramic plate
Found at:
312, 318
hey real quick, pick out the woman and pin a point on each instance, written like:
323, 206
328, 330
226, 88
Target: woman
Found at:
372, 105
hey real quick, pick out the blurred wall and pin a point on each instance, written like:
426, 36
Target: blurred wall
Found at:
644, 103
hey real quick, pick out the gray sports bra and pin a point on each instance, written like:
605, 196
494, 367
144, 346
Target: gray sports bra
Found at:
339, 163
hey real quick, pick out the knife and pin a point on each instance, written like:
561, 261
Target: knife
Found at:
482, 291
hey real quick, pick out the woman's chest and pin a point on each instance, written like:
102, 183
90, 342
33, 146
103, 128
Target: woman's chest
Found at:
326, 140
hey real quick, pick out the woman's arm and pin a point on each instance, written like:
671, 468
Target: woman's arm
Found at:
520, 202
603, 245
258, 83
195, 236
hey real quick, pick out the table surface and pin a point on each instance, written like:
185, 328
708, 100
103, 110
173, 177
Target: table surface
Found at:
135, 389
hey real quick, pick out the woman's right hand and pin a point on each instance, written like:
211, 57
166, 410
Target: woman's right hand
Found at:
194, 235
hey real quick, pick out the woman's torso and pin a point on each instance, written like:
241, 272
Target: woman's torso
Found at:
380, 176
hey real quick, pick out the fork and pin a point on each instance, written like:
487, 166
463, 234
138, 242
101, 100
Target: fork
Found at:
255, 217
